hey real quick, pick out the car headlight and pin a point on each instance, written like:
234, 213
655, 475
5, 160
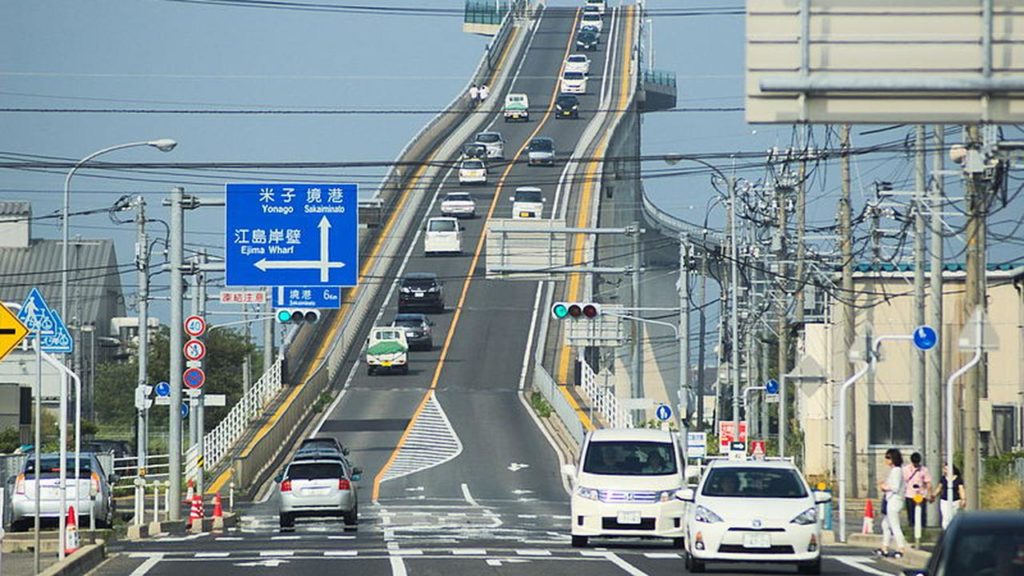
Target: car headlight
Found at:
666, 495
702, 514
405, 290
807, 517
588, 493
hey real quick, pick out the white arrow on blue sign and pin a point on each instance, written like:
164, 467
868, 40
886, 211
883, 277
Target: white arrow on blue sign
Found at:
45, 322
184, 409
925, 337
292, 235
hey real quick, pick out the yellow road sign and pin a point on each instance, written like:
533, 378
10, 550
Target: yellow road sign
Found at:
12, 331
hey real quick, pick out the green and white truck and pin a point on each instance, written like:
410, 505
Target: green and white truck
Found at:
387, 349
517, 107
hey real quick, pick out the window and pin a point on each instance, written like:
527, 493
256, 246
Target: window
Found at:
732, 482
890, 424
1004, 426
630, 458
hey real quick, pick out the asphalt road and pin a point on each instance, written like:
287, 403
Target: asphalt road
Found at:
465, 480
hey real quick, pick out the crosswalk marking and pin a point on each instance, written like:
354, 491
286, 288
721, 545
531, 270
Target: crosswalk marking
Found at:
662, 555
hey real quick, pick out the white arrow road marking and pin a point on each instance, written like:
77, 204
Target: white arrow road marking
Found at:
629, 568
416, 489
497, 562
516, 466
859, 564
272, 563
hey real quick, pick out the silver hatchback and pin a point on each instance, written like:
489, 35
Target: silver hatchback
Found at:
90, 493
319, 487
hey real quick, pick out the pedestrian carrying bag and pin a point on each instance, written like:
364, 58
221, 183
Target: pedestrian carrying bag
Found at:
884, 507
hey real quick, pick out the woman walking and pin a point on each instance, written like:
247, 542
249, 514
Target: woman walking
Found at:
892, 488
948, 508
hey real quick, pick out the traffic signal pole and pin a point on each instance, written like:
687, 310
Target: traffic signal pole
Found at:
177, 248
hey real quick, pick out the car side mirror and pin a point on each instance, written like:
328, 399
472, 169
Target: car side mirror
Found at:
543, 199
822, 497
685, 494
344, 451
279, 478
511, 198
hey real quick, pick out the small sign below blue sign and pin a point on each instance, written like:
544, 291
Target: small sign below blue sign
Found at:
327, 297
292, 235
663, 413
184, 409
46, 323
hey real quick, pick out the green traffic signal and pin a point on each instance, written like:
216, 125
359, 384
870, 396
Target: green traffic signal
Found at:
284, 315
560, 310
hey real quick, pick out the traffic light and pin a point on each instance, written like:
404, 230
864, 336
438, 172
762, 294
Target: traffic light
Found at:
298, 315
575, 310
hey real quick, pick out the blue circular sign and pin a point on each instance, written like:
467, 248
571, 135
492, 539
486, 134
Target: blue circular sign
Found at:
772, 386
663, 412
163, 389
184, 410
925, 337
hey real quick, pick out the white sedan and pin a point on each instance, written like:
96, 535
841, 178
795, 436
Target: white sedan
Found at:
753, 511
577, 63
458, 204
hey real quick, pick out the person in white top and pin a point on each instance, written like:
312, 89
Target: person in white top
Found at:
892, 488
484, 93
474, 94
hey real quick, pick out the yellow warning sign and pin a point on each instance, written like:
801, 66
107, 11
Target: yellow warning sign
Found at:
12, 331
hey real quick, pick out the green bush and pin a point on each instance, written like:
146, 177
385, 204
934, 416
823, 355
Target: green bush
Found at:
540, 404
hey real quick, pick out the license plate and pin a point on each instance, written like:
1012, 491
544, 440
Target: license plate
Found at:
385, 364
418, 294
526, 214
629, 518
757, 541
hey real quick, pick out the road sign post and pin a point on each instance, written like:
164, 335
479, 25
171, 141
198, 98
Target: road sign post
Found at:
292, 234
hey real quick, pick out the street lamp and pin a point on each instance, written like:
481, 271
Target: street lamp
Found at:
671, 160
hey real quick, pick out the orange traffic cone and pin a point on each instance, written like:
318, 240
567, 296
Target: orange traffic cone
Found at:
218, 510
70, 533
196, 514
869, 519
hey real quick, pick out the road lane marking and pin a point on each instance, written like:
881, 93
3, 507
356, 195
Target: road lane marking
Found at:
662, 555
330, 553
859, 564
212, 554
145, 567
626, 566
430, 441
469, 552
533, 552
397, 566
467, 495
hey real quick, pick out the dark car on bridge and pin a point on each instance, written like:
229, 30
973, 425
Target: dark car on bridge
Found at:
979, 543
420, 290
586, 40
417, 330
567, 106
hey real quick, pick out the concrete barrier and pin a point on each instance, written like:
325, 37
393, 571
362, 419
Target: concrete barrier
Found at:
80, 563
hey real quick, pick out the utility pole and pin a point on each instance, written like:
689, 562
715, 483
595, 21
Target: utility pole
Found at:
246, 368
684, 334
734, 288
849, 435
142, 265
177, 241
199, 414
935, 382
798, 313
917, 365
974, 299
638, 345
782, 197
702, 326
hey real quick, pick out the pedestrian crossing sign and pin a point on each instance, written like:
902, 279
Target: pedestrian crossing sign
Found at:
46, 324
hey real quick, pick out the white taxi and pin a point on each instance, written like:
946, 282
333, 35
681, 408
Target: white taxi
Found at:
627, 485
753, 511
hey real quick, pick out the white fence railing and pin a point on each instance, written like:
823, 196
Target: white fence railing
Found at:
603, 400
250, 407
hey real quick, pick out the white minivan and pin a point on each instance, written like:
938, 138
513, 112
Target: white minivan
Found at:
528, 202
443, 236
627, 484
599, 4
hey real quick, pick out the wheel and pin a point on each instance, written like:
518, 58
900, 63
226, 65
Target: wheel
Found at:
439, 309
679, 543
287, 520
352, 519
693, 565
19, 525
812, 567
371, 370
579, 541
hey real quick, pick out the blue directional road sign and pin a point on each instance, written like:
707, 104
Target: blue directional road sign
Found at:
162, 389
45, 322
663, 413
292, 235
327, 297
184, 409
925, 337
772, 386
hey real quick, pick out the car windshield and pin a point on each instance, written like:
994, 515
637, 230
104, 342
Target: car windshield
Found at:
409, 321
419, 283
488, 137
574, 76
318, 444
472, 165
50, 465
388, 335
578, 59
630, 458
542, 145
442, 226
528, 196
987, 552
753, 482
457, 198
315, 471
591, 17
567, 100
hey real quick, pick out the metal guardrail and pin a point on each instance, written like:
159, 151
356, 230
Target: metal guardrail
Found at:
248, 408
661, 77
